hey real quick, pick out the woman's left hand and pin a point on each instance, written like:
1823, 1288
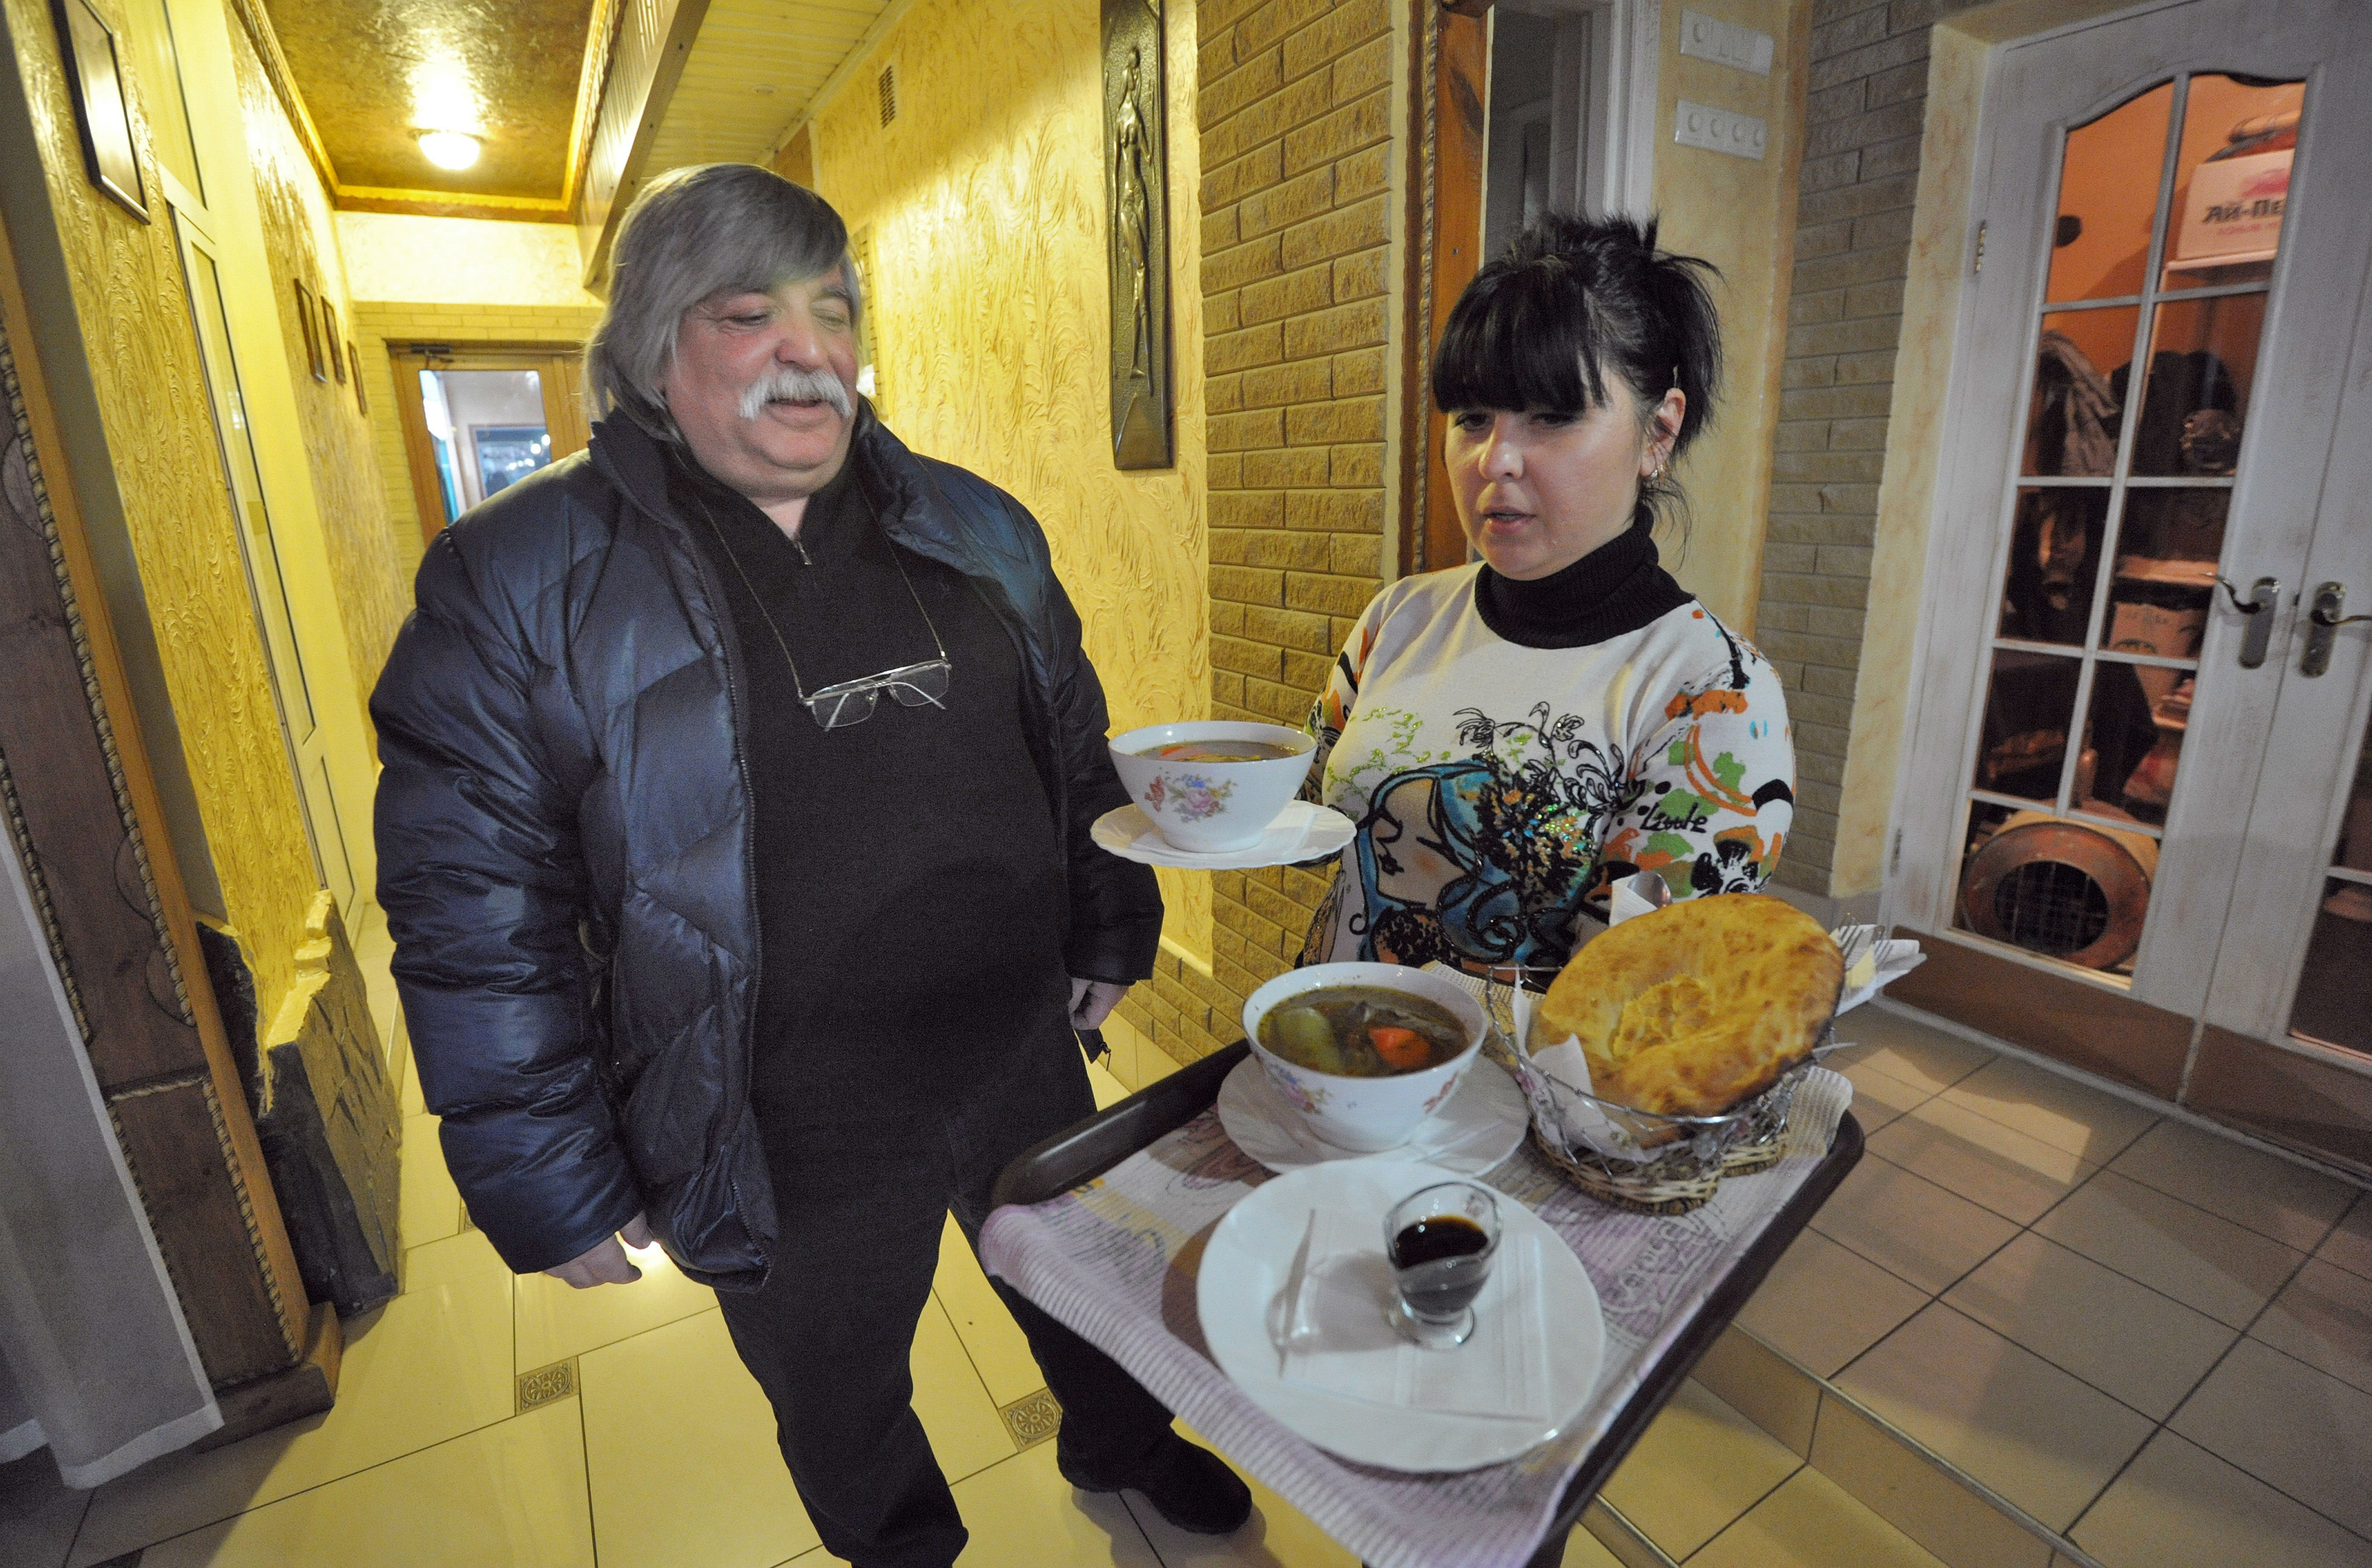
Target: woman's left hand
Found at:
1092, 1001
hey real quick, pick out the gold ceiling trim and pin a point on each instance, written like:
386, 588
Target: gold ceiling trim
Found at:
600, 37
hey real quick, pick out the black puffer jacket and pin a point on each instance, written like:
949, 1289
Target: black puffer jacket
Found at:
564, 842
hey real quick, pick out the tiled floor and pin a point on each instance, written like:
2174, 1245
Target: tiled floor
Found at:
2154, 1339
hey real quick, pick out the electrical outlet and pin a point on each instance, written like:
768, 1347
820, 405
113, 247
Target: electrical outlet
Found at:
1724, 43
1718, 130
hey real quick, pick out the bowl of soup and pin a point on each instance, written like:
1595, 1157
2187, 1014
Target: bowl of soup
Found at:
1364, 1051
1211, 786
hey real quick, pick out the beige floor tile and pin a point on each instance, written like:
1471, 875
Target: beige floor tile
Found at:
966, 1431
2179, 1507
2297, 1429
1909, 1226
2324, 1318
2124, 1338
1919, 1054
2041, 1437
999, 1353
512, 1496
2271, 1196
1893, 1479
2065, 1114
1277, 1536
1698, 1465
2015, 1175
39, 1513
2207, 1264
1812, 1522
1109, 1089
556, 1321
1582, 1549
412, 1102
680, 1446
1879, 1096
430, 1365
430, 1209
1022, 1514
1753, 1380
1825, 1303
2350, 1246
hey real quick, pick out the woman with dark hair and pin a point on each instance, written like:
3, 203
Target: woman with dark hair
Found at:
1514, 735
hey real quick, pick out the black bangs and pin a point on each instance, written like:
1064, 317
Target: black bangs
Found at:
1520, 339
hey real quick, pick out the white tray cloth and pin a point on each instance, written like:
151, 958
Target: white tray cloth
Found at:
1115, 1261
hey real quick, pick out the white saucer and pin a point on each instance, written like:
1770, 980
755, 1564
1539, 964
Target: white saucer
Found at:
1245, 1267
1302, 832
1483, 1123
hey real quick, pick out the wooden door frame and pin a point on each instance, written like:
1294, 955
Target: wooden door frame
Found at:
560, 370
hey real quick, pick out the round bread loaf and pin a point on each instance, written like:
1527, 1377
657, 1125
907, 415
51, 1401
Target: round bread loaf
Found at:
1687, 1011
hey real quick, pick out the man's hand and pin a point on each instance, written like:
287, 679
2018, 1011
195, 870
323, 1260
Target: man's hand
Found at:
606, 1263
1092, 1001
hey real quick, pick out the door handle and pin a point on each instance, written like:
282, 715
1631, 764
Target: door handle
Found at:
2323, 622
2263, 598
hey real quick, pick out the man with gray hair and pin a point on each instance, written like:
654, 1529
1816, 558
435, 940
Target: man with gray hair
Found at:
734, 835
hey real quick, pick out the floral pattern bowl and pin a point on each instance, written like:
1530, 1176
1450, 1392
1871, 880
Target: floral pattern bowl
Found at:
1365, 1115
1210, 808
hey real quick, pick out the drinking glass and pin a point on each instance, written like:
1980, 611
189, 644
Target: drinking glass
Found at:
1440, 1242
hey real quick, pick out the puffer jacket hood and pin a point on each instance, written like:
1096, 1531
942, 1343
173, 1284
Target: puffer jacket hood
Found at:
565, 845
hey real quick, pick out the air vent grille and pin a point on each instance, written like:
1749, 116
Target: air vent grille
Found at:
889, 87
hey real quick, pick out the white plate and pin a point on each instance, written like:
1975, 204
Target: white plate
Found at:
1482, 1125
1244, 1271
1302, 832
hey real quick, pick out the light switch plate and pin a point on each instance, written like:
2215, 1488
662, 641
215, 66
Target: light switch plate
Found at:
1724, 43
1718, 130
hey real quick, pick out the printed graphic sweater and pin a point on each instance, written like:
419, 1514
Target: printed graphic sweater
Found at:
1510, 750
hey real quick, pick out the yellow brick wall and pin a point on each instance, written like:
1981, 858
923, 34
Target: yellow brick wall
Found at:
1294, 113
378, 322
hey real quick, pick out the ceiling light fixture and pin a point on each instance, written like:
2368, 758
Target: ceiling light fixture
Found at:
449, 149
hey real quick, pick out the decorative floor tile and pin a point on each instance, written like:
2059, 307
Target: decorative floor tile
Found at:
2179, 1507
1810, 1522
2301, 1431
1909, 1226
2124, 1338
1698, 1465
2042, 1437
2273, 1197
2015, 1175
2206, 1262
505, 1496
2094, 1126
1824, 1303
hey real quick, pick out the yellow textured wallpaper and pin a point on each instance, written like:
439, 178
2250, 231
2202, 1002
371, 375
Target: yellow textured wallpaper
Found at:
133, 306
984, 203
300, 241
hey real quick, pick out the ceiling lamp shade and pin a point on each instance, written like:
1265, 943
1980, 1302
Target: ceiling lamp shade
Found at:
449, 149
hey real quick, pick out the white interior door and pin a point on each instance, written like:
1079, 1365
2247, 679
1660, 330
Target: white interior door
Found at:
2150, 390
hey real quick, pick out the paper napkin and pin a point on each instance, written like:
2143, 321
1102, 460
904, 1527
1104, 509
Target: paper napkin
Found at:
1337, 1337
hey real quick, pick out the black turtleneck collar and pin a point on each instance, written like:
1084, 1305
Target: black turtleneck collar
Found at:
1616, 588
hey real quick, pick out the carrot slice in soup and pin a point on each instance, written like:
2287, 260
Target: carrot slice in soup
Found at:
1400, 1047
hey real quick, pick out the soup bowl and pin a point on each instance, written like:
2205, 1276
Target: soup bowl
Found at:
1365, 1115
1207, 807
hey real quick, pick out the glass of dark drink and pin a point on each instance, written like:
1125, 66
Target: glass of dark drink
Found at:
1440, 1242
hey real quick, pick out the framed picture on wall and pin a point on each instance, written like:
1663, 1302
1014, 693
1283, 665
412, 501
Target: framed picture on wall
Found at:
311, 325
101, 114
362, 404
329, 340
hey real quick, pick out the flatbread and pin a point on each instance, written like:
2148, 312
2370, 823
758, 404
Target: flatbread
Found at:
1702, 1004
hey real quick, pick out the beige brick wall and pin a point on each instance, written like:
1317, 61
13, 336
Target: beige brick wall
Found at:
1295, 115
378, 322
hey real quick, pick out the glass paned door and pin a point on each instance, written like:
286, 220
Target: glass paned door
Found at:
2146, 346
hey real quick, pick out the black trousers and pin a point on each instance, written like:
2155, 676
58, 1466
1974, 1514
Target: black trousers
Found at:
862, 1207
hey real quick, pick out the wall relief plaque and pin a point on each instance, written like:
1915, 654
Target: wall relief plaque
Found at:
1136, 193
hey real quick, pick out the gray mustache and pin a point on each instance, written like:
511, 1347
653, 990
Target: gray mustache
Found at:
792, 383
